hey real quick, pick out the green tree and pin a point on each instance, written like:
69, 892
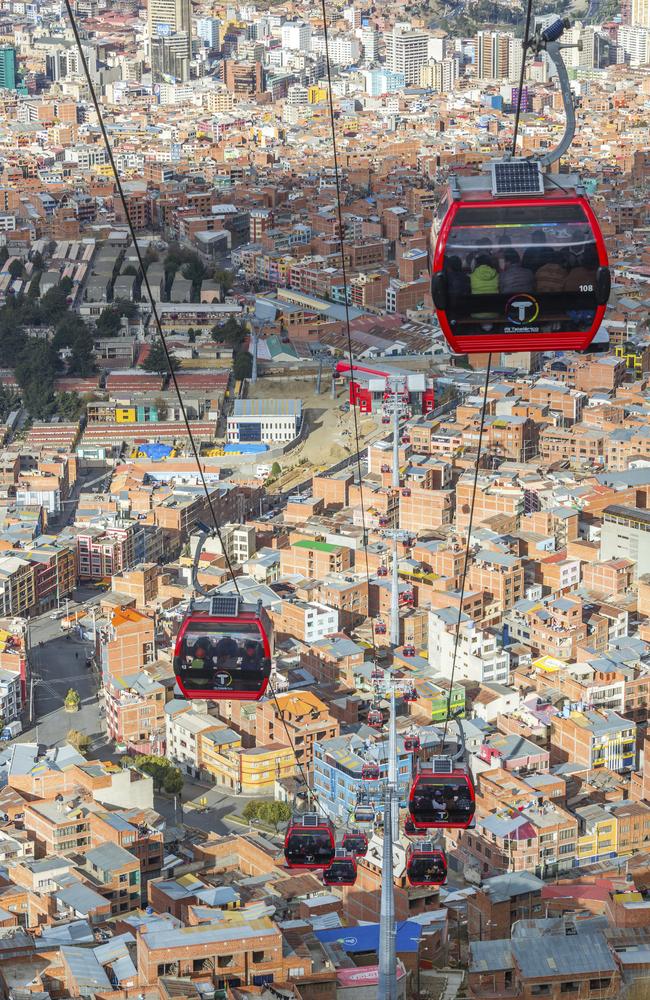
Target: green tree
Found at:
9, 400
36, 258
35, 370
156, 360
232, 333
191, 335
55, 301
34, 285
155, 766
72, 701
4, 254
224, 278
243, 365
173, 781
69, 405
276, 469
275, 813
16, 269
251, 810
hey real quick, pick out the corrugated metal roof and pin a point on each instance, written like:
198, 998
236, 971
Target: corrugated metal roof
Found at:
563, 955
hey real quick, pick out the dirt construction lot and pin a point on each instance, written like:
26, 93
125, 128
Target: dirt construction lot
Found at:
329, 435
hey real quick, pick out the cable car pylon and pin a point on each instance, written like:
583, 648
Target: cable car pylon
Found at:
387, 983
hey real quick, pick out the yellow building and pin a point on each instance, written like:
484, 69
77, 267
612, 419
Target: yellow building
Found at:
245, 770
598, 834
316, 94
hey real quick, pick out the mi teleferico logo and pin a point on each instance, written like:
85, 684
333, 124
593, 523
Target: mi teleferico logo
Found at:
522, 309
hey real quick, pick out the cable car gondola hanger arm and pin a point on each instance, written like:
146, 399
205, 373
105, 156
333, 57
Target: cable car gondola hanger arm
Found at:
547, 40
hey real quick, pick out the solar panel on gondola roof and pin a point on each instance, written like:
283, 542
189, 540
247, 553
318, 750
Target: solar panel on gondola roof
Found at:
516, 177
224, 604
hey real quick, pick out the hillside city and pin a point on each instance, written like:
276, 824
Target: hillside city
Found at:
400, 514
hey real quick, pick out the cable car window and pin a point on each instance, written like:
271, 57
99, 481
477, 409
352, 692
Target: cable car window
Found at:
309, 847
221, 655
442, 800
518, 269
427, 869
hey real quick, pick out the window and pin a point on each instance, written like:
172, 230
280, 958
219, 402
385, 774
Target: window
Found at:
570, 987
600, 984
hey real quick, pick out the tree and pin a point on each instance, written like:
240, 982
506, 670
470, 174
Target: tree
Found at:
243, 365
276, 469
4, 254
225, 279
232, 332
16, 269
251, 810
9, 400
80, 741
274, 813
109, 322
72, 701
35, 372
55, 301
69, 405
173, 781
191, 335
36, 258
34, 285
156, 360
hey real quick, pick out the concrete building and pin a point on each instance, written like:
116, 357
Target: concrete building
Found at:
625, 535
407, 50
270, 421
478, 658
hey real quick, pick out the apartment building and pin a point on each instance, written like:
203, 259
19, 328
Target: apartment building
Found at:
135, 712
126, 643
237, 948
58, 826
594, 739
512, 968
114, 873
299, 719
311, 558
477, 658
17, 586
308, 621
333, 660
499, 574
625, 534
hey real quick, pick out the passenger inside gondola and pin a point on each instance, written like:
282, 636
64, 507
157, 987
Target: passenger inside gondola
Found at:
441, 802
309, 847
222, 657
427, 869
509, 270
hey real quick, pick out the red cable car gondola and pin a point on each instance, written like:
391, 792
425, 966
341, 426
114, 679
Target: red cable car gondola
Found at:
355, 842
411, 744
380, 627
309, 842
224, 646
370, 772
425, 865
224, 651
409, 649
342, 871
375, 718
382, 571
442, 796
519, 262
363, 812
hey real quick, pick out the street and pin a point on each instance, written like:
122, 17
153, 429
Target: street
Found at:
57, 666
